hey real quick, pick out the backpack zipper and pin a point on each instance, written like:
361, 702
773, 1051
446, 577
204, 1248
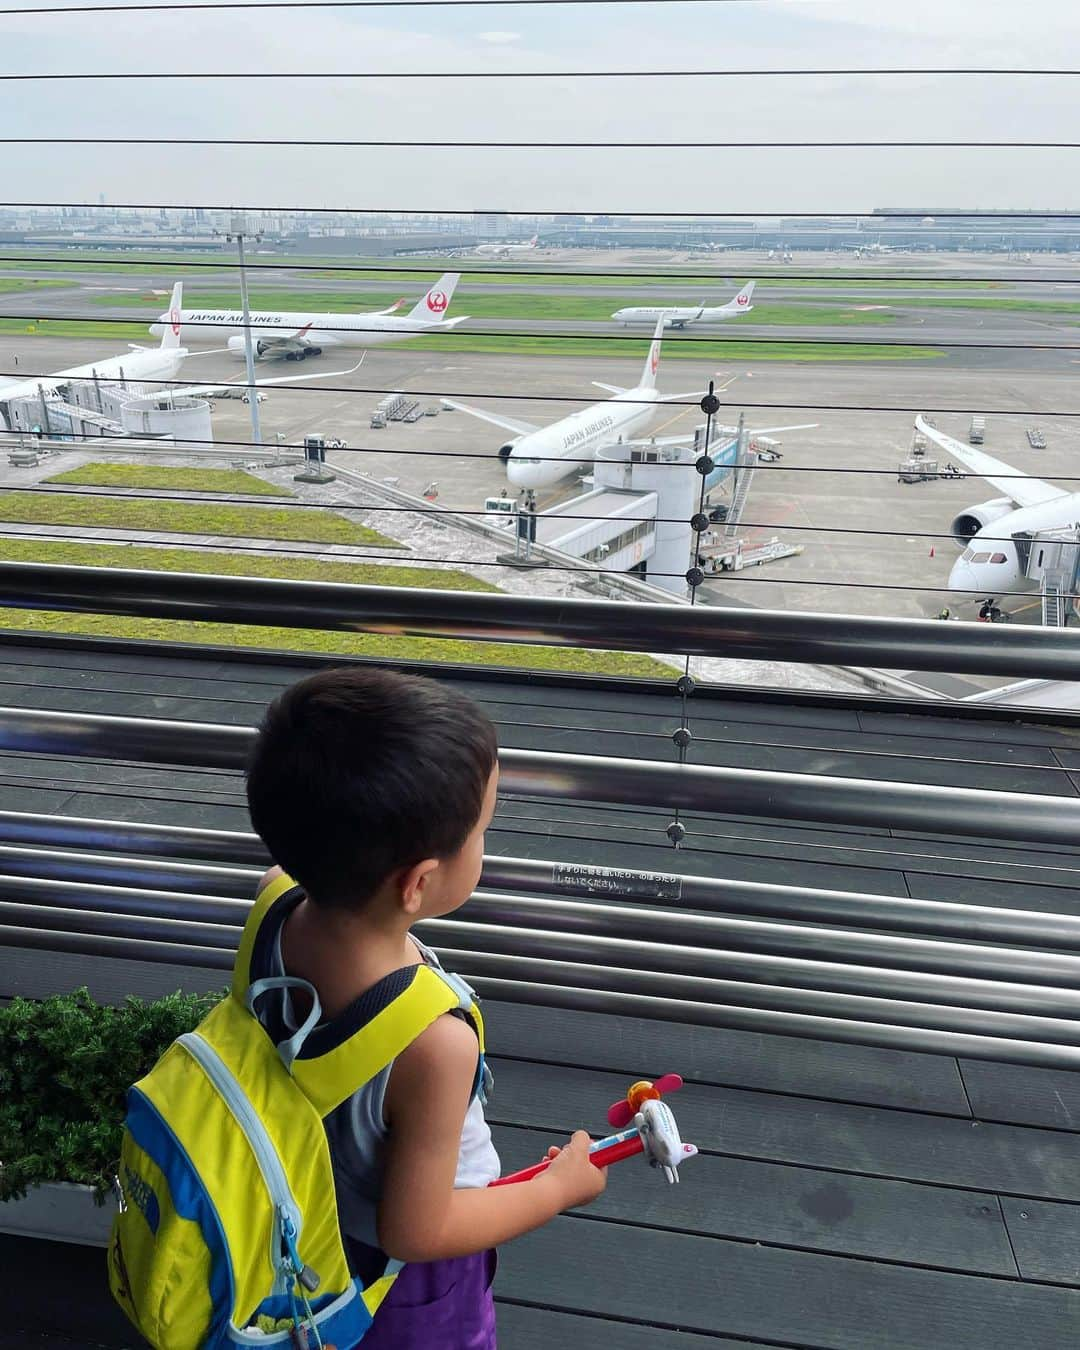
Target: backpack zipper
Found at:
287, 1218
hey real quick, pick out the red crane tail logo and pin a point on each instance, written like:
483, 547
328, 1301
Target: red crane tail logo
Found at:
437, 301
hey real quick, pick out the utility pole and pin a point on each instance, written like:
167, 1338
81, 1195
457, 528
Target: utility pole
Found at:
238, 230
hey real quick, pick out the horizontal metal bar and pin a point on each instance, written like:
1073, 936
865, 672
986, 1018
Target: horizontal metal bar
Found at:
648, 968
702, 989
530, 946
950, 973
713, 933
858, 909
785, 796
93, 869
764, 1021
615, 1002
223, 895
71, 895
170, 841
701, 630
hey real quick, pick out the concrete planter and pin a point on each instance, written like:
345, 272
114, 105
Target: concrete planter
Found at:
59, 1211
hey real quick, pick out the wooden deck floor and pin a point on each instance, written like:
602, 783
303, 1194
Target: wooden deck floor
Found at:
847, 1198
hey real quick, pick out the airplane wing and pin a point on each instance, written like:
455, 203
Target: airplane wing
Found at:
1017, 486
611, 388
211, 389
299, 337
507, 423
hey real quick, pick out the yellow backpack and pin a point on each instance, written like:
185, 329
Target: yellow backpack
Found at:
228, 1231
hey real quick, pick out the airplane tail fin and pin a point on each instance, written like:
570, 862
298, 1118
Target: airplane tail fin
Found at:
433, 306
652, 361
170, 328
741, 303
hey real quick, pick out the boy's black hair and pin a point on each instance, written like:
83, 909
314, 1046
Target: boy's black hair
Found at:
357, 773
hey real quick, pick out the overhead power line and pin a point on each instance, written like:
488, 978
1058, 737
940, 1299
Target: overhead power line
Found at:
709, 219
876, 72
267, 5
718, 339
333, 144
589, 399
865, 279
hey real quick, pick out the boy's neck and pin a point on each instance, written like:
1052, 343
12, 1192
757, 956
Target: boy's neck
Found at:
344, 953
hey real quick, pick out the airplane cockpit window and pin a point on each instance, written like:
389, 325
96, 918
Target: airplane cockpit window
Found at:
967, 555
999, 558
980, 558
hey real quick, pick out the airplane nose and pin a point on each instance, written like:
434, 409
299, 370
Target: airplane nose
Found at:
977, 580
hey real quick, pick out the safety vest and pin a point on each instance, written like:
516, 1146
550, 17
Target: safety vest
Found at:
228, 1231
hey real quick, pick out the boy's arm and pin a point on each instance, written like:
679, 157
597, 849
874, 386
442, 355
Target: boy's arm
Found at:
421, 1216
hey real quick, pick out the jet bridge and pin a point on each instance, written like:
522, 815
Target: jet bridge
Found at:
1052, 558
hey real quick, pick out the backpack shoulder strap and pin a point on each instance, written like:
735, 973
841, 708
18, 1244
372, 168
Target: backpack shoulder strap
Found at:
330, 1079
270, 893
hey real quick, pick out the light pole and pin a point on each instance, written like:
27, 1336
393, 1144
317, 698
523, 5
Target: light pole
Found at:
238, 230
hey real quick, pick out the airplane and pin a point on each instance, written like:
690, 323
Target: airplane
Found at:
996, 534
142, 364
505, 250
681, 317
541, 456
298, 336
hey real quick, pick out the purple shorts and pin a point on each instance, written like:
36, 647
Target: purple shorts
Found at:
438, 1305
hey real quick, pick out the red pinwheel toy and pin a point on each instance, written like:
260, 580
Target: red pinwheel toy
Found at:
652, 1131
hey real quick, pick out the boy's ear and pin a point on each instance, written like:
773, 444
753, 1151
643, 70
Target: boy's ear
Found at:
414, 882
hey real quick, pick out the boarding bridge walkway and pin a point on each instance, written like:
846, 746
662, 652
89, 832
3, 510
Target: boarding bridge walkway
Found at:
863, 967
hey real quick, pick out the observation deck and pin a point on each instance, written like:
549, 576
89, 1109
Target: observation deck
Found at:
863, 966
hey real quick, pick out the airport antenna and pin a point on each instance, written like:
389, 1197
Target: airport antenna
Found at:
239, 230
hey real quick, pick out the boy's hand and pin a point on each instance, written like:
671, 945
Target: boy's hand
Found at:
578, 1182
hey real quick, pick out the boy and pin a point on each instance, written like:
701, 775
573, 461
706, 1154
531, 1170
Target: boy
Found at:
372, 791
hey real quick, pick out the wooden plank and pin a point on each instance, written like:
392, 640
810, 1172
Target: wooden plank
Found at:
747, 753
27, 973
1046, 1239
701, 856
798, 1207
903, 1145
785, 1064
1001, 892
59, 1289
525, 1327
1023, 1095
1012, 728
707, 1285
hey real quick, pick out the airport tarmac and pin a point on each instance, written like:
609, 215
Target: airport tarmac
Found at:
870, 544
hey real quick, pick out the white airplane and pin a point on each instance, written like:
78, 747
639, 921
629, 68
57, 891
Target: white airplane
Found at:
506, 250
540, 456
995, 534
297, 336
681, 317
141, 364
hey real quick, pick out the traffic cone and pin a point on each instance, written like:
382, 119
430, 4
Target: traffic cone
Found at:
931, 550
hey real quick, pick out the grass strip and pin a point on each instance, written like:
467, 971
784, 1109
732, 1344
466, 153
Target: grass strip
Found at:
146, 557
162, 476
517, 304
307, 524
436, 650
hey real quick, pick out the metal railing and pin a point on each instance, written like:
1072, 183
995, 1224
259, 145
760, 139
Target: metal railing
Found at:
881, 970
755, 635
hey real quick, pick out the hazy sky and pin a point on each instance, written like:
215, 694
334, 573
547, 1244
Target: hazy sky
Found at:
514, 38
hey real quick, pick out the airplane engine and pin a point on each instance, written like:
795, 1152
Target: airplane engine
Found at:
504, 450
235, 345
971, 521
